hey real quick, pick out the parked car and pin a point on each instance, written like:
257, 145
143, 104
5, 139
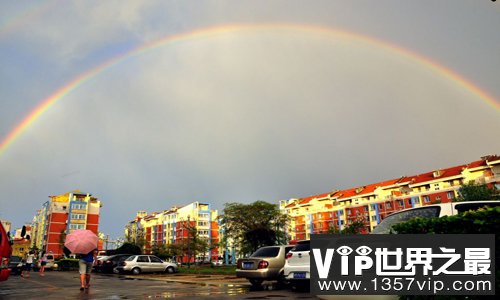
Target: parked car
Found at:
430, 211
297, 267
5, 253
264, 264
16, 265
51, 262
137, 264
108, 263
98, 263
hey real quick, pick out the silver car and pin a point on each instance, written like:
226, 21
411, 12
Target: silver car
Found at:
137, 264
264, 264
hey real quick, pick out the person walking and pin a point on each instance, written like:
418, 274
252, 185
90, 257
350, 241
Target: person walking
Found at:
30, 257
43, 263
85, 265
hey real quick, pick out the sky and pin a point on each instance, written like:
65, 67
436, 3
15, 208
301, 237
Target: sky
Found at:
150, 104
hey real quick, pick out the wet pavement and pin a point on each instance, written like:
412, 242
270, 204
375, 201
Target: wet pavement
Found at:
65, 285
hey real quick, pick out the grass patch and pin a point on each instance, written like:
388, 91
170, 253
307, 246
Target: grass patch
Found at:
219, 270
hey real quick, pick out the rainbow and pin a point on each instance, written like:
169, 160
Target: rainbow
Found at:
26, 16
51, 100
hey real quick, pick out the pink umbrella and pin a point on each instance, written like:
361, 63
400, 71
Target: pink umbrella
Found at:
81, 241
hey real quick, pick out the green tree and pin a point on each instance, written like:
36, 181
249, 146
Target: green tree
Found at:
353, 228
253, 225
160, 250
473, 191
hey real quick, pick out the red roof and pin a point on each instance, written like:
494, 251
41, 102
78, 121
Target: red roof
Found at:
438, 174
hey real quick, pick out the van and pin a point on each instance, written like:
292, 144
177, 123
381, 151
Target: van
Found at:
430, 211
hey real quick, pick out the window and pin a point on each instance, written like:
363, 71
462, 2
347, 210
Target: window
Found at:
142, 258
409, 201
374, 206
202, 223
77, 217
475, 206
398, 217
438, 198
203, 216
76, 226
388, 205
401, 203
374, 218
266, 252
450, 195
302, 246
427, 199
365, 208
78, 206
436, 186
155, 259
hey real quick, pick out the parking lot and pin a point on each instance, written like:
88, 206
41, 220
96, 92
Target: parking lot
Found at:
65, 285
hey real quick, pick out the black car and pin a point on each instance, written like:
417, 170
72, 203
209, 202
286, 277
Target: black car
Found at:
16, 265
110, 262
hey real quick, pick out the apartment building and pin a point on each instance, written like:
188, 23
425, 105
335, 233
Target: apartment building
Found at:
373, 202
60, 216
174, 226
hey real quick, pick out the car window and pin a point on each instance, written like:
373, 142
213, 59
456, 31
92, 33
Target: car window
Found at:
302, 246
287, 249
424, 212
50, 257
142, 258
155, 259
474, 206
131, 258
266, 252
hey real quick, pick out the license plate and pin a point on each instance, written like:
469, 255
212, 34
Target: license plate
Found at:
299, 275
247, 265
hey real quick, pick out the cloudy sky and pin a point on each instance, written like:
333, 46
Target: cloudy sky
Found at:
170, 102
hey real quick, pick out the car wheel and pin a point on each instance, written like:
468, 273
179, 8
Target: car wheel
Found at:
256, 282
169, 270
281, 280
136, 271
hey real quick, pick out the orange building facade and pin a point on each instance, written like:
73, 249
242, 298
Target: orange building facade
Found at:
173, 227
372, 203
60, 216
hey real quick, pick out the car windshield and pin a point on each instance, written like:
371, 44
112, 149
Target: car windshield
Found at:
302, 246
385, 226
266, 252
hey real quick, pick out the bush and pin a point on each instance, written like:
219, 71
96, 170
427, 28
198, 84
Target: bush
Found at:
67, 264
484, 221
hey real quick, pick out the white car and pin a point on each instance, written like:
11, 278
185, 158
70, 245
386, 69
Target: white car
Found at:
430, 211
297, 268
137, 264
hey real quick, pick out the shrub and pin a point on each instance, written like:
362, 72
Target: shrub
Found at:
67, 264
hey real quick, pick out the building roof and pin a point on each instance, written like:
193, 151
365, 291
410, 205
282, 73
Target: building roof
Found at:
441, 174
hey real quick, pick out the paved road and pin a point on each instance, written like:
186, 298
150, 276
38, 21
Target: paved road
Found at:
65, 285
